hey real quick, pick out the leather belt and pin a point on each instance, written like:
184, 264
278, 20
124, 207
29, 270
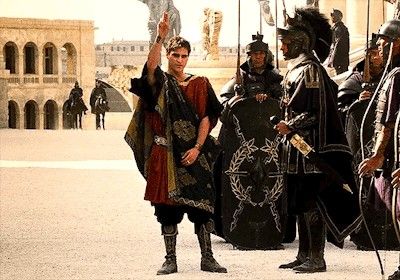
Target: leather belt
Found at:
159, 140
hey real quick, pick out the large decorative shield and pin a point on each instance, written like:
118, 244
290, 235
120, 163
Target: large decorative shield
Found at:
379, 220
252, 187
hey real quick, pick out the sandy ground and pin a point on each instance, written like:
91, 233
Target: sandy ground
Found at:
72, 208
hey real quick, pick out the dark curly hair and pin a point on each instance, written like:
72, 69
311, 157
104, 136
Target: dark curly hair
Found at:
177, 42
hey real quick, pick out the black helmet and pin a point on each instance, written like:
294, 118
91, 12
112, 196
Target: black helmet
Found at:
390, 29
348, 92
257, 44
337, 14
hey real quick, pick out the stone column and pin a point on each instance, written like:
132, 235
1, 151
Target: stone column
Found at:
4, 74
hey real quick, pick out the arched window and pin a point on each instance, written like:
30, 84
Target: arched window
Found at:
49, 59
31, 115
30, 58
11, 57
13, 114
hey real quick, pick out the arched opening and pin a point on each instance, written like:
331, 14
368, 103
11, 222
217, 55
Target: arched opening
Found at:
30, 58
116, 101
11, 55
13, 114
50, 115
31, 115
49, 59
66, 116
68, 59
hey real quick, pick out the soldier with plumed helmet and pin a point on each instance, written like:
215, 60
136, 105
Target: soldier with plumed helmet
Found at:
309, 107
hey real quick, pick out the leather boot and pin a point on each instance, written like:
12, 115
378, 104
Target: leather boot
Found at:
317, 233
304, 244
208, 263
169, 266
395, 275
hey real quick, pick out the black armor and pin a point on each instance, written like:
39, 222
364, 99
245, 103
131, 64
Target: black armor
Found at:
310, 110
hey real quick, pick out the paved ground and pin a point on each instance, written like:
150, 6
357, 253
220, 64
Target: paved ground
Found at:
71, 207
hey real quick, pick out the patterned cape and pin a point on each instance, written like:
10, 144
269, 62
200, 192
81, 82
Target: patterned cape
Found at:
192, 185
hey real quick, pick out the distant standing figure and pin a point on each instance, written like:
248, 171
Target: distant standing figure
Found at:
99, 104
156, 10
339, 52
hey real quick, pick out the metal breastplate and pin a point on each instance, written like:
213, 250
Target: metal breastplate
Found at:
289, 84
381, 103
254, 84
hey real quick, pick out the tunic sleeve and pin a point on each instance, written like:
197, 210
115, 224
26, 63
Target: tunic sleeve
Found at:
141, 87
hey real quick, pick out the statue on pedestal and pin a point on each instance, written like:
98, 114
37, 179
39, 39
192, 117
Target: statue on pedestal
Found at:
156, 10
266, 12
212, 21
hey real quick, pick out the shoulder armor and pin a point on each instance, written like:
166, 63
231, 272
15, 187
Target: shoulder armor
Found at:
311, 76
228, 88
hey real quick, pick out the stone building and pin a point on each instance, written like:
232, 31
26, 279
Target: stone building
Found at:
44, 58
135, 53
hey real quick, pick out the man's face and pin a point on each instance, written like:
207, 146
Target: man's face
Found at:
375, 59
285, 49
257, 59
177, 60
382, 43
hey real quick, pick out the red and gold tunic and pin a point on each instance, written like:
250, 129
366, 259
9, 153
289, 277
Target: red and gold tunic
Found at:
195, 90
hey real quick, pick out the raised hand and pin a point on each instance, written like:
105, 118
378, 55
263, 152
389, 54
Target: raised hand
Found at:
163, 26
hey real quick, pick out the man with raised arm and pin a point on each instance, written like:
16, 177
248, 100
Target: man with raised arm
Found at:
169, 135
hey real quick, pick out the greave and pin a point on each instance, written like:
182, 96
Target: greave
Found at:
316, 233
208, 263
169, 266
304, 239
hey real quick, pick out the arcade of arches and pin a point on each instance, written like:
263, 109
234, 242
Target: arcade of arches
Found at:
43, 59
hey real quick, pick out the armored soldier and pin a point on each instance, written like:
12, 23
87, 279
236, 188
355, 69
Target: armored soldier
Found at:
362, 81
258, 76
387, 109
252, 216
339, 53
310, 110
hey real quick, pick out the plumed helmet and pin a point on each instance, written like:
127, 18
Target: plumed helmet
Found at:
310, 28
337, 14
257, 44
390, 29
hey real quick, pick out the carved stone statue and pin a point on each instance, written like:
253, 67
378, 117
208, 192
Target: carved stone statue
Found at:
156, 10
212, 22
313, 3
266, 12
